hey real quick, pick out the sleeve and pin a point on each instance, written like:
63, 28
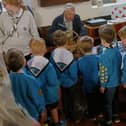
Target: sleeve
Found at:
33, 27
53, 26
79, 66
82, 29
124, 70
52, 76
103, 72
35, 93
2, 33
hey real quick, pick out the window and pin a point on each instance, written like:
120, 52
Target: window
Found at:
95, 2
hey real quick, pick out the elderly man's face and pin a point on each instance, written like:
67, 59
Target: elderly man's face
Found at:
69, 14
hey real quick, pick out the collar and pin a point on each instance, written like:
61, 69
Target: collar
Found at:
37, 64
62, 58
18, 15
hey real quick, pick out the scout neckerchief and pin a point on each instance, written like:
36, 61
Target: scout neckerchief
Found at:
37, 64
62, 58
15, 21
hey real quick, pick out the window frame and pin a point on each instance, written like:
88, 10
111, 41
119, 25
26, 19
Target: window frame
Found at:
44, 3
94, 2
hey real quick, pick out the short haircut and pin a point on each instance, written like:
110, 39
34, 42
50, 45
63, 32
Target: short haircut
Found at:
14, 2
107, 33
15, 59
122, 32
59, 38
69, 6
86, 43
37, 45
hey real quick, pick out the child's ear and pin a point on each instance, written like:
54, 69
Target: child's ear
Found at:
24, 62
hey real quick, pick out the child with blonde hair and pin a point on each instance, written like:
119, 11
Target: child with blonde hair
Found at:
66, 68
43, 70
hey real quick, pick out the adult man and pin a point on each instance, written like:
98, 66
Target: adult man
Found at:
69, 20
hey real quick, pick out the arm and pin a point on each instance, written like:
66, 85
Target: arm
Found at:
52, 76
80, 24
35, 93
124, 71
103, 72
33, 27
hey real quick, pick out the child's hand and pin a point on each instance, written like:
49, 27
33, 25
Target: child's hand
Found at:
102, 90
124, 85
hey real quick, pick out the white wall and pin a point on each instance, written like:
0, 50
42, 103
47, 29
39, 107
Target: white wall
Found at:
45, 15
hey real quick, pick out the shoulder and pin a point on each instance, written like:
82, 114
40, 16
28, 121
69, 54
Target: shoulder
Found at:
28, 13
29, 77
58, 17
81, 59
50, 67
77, 17
3, 15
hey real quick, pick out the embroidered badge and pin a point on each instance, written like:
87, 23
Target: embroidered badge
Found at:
40, 92
103, 73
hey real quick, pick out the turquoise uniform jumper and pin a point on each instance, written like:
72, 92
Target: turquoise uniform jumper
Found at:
46, 76
110, 67
27, 93
88, 68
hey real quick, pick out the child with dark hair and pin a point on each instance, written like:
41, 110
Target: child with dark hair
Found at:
66, 68
88, 68
109, 65
25, 88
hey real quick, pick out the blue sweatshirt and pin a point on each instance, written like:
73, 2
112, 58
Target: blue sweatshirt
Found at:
47, 78
65, 65
27, 93
110, 67
88, 68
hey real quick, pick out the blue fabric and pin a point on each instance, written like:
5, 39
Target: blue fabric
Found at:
88, 68
49, 84
27, 93
124, 70
110, 67
68, 77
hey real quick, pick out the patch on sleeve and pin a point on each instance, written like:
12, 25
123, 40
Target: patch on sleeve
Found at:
103, 73
40, 92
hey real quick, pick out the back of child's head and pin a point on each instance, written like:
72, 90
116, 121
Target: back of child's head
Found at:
86, 43
122, 32
107, 33
37, 46
15, 59
59, 38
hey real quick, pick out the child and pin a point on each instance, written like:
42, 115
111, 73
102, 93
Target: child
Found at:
109, 65
44, 72
66, 68
88, 68
25, 88
122, 35
122, 44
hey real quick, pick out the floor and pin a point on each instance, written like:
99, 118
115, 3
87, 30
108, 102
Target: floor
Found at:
86, 122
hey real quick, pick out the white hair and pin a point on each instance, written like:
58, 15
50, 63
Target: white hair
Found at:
69, 6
